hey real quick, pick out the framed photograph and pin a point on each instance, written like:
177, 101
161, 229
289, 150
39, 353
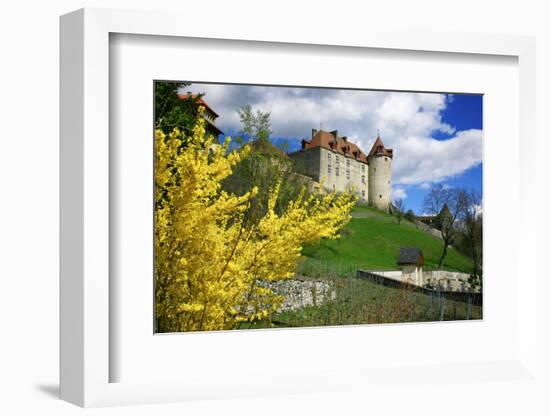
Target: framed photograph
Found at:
328, 222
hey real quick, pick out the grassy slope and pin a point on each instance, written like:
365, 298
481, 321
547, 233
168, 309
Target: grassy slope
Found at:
373, 242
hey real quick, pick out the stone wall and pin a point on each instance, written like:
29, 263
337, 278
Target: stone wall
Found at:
471, 297
437, 279
444, 280
424, 227
300, 293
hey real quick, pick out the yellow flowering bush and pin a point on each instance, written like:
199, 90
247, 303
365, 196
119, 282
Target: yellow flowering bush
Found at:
210, 261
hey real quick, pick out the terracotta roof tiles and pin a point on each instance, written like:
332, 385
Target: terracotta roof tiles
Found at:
331, 141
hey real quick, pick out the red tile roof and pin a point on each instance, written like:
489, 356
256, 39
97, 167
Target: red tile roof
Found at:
331, 141
378, 149
199, 100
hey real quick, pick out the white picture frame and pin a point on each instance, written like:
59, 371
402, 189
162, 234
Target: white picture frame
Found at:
85, 355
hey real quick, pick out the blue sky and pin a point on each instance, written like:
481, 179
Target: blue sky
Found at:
437, 138
463, 112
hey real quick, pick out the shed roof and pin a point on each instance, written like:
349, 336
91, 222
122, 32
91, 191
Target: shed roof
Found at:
410, 255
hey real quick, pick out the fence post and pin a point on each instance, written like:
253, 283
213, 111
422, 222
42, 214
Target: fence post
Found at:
442, 309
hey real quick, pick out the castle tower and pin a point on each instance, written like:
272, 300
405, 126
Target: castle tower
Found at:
380, 159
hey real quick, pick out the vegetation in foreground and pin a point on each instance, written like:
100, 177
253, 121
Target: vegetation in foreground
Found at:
194, 218
361, 302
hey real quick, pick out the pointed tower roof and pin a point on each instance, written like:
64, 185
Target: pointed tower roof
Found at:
378, 149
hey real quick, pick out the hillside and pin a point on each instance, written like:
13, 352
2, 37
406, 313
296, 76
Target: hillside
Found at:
372, 240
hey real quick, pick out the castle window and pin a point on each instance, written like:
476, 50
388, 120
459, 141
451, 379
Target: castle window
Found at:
337, 171
363, 194
347, 173
347, 162
329, 169
385, 159
375, 169
337, 160
380, 196
362, 167
388, 182
363, 179
329, 156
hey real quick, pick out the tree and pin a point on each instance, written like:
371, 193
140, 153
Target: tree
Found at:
171, 112
473, 229
399, 206
263, 167
409, 216
211, 262
256, 125
448, 204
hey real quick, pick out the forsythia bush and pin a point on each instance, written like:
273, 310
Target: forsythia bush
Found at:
209, 260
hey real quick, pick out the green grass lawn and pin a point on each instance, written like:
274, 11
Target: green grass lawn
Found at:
372, 239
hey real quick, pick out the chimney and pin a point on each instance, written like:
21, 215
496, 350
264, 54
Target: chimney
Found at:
313, 132
334, 133
344, 138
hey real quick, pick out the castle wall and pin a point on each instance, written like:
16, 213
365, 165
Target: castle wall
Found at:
338, 172
307, 162
380, 182
344, 173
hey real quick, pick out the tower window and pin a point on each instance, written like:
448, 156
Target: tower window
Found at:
375, 169
329, 169
347, 173
380, 196
385, 159
363, 194
337, 171
363, 179
388, 182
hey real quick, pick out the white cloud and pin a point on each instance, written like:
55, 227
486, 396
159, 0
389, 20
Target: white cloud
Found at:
407, 122
398, 193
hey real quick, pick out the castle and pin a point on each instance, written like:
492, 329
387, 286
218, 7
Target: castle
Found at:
340, 165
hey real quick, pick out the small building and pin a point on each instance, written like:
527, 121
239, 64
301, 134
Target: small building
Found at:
410, 262
210, 115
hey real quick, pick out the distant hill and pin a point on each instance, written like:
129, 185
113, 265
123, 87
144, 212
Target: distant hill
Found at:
372, 240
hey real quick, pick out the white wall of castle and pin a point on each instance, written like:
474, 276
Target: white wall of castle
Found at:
336, 171
379, 185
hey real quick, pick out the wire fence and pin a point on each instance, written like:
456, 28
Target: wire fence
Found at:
358, 301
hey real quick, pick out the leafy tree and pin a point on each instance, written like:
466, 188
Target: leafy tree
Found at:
448, 204
210, 258
171, 112
256, 125
263, 167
